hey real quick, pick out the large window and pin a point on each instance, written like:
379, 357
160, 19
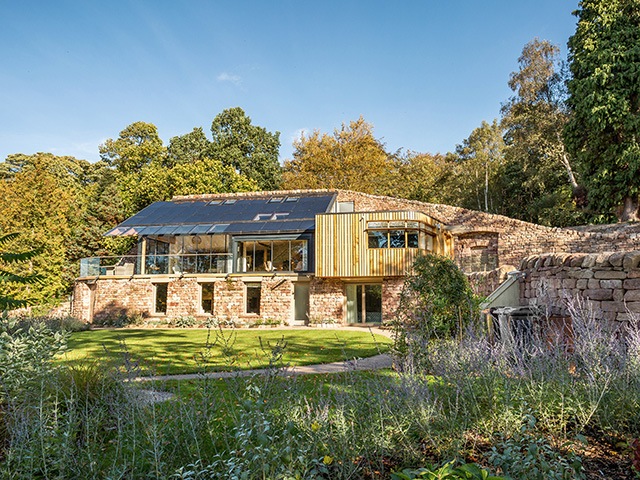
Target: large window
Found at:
187, 254
267, 255
398, 238
397, 235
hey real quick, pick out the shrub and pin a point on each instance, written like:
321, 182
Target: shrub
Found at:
436, 302
56, 324
124, 319
527, 455
468, 471
26, 354
186, 321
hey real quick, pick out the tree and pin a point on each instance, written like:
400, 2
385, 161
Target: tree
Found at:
187, 148
480, 157
603, 133
424, 177
42, 206
251, 150
538, 170
352, 159
137, 146
436, 302
7, 300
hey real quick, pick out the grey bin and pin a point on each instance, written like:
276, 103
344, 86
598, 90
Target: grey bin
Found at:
514, 326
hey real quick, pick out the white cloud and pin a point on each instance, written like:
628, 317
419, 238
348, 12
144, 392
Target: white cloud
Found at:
299, 133
227, 77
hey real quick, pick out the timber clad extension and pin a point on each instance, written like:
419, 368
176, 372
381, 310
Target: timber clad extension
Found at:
304, 256
376, 244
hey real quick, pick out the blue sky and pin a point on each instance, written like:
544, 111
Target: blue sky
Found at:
424, 73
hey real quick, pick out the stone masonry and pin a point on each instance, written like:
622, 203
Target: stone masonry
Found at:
486, 246
610, 281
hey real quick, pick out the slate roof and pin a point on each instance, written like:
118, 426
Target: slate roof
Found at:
234, 215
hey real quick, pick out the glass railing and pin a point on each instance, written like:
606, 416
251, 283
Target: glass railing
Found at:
128, 265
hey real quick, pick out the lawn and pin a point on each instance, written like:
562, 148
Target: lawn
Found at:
169, 351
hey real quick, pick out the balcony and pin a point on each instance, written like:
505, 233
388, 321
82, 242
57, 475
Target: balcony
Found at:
129, 265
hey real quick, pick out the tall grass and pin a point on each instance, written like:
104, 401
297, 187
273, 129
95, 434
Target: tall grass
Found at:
470, 400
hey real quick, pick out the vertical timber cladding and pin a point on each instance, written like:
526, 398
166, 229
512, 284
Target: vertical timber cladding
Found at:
342, 244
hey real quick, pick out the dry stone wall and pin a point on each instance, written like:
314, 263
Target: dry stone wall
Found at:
610, 281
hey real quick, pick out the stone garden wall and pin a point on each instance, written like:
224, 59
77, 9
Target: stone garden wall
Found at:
610, 281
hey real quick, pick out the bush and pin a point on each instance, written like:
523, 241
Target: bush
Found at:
186, 321
468, 471
436, 303
122, 320
56, 324
25, 355
526, 455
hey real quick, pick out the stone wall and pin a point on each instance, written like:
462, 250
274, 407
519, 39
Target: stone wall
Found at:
81, 300
327, 300
609, 281
109, 298
276, 300
516, 239
484, 283
391, 293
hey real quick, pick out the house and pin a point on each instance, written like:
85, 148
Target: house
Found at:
302, 256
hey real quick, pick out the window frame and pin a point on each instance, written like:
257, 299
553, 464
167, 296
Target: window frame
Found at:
252, 285
156, 285
202, 298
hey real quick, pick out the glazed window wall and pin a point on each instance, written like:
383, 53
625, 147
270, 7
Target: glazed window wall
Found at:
272, 256
187, 254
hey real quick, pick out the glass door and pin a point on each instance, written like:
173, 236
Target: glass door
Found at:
364, 303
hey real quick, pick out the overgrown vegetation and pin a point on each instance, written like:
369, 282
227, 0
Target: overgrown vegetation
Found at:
474, 409
436, 303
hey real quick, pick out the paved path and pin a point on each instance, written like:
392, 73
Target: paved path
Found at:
370, 363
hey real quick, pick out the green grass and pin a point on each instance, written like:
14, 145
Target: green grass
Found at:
171, 351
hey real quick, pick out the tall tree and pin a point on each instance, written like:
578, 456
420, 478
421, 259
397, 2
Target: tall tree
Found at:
251, 150
42, 206
480, 158
538, 170
8, 278
137, 145
352, 158
603, 133
188, 148
424, 177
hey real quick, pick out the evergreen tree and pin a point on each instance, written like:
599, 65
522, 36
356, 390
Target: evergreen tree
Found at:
603, 133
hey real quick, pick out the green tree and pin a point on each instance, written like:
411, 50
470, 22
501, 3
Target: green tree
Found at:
137, 146
42, 205
251, 150
480, 158
604, 95
10, 279
436, 302
424, 177
538, 170
187, 148
352, 159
